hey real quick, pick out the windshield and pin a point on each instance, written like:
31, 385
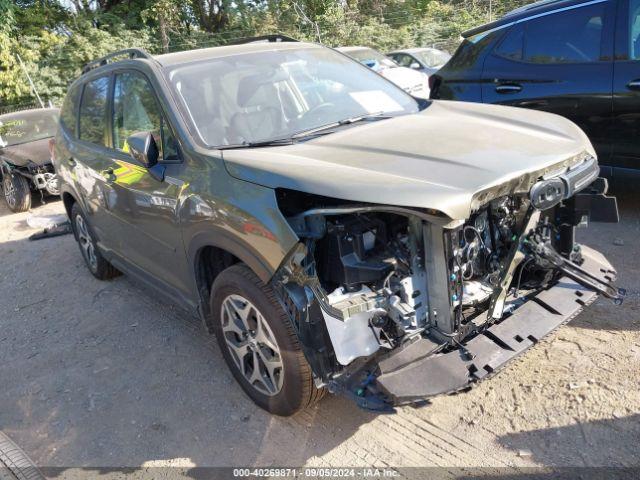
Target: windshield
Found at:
371, 58
27, 127
266, 95
433, 58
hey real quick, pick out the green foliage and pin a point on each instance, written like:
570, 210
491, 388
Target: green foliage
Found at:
56, 38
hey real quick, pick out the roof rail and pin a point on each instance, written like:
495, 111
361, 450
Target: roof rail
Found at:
128, 53
275, 38
530, 6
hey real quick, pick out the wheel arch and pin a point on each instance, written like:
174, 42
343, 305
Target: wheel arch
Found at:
209, 254
5, 167
68, 199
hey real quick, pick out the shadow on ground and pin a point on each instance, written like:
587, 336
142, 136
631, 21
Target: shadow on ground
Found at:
620, 244
36, 201
107, 374
613, 439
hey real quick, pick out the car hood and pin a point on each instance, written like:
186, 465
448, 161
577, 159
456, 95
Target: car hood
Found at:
20, 155
439, 158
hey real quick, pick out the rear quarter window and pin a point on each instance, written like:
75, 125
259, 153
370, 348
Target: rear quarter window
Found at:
93, 119
471, 50
69, 112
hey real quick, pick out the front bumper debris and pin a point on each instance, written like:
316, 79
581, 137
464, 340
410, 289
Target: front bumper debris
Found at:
416, 377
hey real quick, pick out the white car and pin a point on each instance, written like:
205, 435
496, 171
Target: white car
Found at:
425, 60
411, 81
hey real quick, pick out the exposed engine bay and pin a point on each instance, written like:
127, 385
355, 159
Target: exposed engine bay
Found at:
385, 279
26, 153
42, 177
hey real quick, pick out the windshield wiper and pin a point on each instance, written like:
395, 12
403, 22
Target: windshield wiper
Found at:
306, 134
366, 118
326, 129
263, 143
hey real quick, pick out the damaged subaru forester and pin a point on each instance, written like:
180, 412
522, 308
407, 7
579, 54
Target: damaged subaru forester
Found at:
334, 233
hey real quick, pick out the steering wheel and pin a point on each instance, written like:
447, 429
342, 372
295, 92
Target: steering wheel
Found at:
318, 108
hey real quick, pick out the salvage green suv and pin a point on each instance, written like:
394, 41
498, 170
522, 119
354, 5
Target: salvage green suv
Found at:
335, 233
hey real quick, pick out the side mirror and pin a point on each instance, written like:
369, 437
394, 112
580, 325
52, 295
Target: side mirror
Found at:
415, 66
143, 148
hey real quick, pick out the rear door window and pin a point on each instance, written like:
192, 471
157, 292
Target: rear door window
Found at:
573, 36
93, 107
512, 44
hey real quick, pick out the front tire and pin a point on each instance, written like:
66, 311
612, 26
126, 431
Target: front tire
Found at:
259, 343
17, 193
96, 263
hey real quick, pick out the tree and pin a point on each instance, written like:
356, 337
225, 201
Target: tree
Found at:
56, 37
166, 14
212, 15
14, 87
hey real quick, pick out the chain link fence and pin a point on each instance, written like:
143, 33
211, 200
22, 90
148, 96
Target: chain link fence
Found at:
24, 106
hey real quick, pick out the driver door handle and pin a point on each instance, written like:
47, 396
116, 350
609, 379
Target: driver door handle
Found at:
634, 84
508, 88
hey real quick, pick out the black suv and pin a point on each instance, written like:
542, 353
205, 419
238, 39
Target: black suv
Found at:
579, 59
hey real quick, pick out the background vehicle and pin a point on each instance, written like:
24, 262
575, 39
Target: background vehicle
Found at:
409, 80
425, 60
25, 156
297, 202
574, 58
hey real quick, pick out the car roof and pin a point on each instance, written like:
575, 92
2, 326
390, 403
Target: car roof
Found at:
260, 44
188, 56
353, 49
527, 12
416, 50
28, 114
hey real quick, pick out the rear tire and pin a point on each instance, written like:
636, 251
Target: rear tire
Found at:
16, 192
252, 329
96, 263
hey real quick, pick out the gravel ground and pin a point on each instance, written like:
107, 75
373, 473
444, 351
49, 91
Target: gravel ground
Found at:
104, 374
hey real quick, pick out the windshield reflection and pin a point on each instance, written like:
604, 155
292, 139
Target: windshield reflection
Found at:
258, 96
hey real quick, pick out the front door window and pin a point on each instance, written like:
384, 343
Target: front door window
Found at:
135, 109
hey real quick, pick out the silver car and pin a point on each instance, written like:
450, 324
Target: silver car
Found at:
411, 81
426, 60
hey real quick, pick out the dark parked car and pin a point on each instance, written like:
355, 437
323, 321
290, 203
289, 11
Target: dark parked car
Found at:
25, 156
297, 201
579, 59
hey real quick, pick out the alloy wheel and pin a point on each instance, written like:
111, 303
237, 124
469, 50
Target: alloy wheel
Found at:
86, 243
252, 345
9, 191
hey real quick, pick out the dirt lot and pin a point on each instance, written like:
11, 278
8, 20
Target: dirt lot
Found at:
105, 375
